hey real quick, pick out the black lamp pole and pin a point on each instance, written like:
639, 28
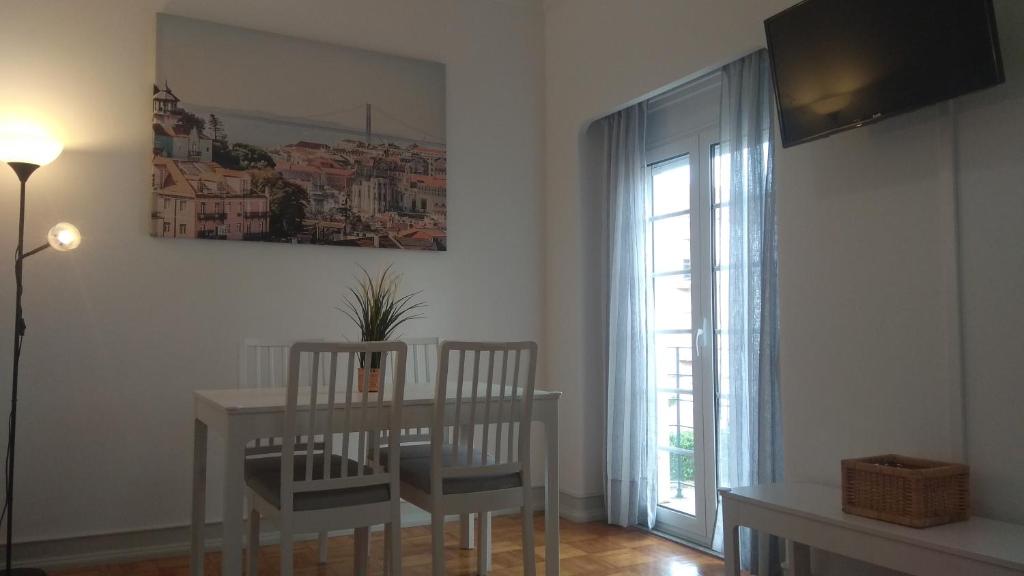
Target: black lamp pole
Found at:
23, 170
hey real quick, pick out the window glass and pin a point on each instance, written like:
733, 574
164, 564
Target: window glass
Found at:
671, 186
671, 244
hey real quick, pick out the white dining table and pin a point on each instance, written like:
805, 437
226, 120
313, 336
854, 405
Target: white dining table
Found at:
237, 416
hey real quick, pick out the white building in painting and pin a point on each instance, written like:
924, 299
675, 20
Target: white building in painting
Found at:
372, 196
171, 139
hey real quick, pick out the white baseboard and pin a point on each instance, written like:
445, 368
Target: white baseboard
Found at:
163, 542
581, 509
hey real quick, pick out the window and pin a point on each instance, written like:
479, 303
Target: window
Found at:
182, 229
167, 227
682, 129
167, 203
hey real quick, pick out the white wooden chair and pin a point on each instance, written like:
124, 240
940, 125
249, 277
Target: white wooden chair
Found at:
421, 371
486, 464
307, 489
264, 364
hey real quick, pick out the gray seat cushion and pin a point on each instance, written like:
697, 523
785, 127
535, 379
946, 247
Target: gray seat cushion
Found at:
263, 476
415, 463
407, 451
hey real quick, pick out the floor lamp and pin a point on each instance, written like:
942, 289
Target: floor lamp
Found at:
25, 148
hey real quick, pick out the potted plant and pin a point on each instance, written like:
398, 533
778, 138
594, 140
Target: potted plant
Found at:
378, 308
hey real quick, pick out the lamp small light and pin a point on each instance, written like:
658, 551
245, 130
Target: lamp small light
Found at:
64, 237
28, 143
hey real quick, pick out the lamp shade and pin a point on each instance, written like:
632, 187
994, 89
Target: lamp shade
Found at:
28, 143
64, 237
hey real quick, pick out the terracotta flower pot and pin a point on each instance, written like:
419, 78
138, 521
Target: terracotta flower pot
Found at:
374, 385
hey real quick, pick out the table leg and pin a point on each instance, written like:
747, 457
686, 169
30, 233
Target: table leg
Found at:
551, 495
466, 533
731, 538
362, 552
198, 497
763, 553
234, 463
799, 558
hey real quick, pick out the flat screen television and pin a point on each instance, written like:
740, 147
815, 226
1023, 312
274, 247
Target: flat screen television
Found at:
839, 64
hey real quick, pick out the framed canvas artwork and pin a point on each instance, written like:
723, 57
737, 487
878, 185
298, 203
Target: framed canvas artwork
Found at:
265, 138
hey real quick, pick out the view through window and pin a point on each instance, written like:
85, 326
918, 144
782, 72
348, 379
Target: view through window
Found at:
672, 281
675, 276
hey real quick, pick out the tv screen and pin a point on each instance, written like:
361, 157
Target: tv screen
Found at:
838, 64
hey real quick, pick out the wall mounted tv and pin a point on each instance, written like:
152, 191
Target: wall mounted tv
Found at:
839, 64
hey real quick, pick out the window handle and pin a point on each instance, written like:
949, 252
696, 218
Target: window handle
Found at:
701, 338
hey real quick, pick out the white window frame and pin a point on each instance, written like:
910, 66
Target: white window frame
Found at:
698, 145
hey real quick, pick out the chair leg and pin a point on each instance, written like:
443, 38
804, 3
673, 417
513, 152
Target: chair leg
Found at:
483, 545
394, 549
322, 547
287, 560
437, 541
253, 553
362, 552
467, 539
529, 561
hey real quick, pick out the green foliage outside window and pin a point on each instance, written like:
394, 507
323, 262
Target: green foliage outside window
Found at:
681, 467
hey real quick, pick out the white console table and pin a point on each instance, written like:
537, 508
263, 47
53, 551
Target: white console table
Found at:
811, 516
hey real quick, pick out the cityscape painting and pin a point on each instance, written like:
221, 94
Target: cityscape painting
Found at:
266, 138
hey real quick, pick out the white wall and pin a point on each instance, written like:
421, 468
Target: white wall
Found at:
868, 234
124, 329
992, 282
867, 224
866, 241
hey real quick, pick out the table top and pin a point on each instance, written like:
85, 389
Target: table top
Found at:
979, 538
235, 400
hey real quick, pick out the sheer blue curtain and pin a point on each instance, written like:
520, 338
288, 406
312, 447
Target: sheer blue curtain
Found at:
631, 457
749, 412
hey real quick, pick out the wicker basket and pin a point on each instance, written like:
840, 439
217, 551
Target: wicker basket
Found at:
907, 491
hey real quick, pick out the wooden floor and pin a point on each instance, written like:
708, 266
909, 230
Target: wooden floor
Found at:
594, 549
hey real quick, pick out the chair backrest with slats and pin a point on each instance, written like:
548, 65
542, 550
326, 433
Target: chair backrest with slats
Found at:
264, 364
326, 406
421, 363
420, 372
487, 389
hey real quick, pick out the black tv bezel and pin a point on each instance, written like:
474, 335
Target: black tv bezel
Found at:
880, 115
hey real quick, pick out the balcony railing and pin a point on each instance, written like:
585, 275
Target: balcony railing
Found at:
674, 387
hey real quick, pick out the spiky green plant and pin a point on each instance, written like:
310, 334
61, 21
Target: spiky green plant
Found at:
376, 307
